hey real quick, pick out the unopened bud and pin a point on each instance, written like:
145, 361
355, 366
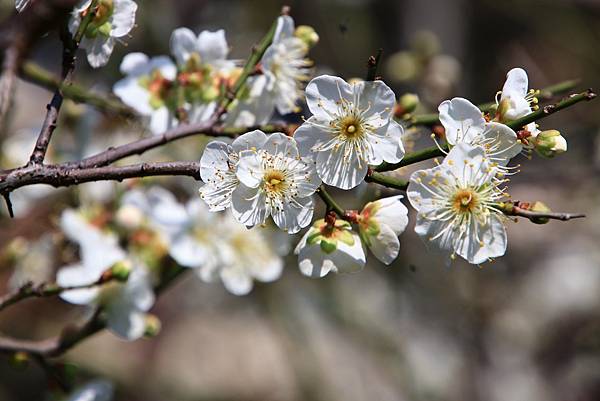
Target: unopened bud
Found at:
129, 217
307, 34
121, 270
153, 326
550, 143
540, 207
407, 104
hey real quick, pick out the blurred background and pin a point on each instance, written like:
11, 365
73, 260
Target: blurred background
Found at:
525, 327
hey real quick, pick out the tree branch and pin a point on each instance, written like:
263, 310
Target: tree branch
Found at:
543, 112
65, 175
545, 94
70, 46
514, 209
38, 75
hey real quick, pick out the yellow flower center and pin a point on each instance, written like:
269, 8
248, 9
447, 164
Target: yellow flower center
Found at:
275, 181
465, 200
350, 127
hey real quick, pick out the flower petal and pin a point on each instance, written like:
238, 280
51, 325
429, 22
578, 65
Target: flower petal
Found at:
252, 140
123, 18
377, 98
493, 242
98, 49
323, 95
236, 280
77, 275
250, 170
503, 143
294, 217
341, 172
388, 147
183, 44
517, 82
392, 212
462, 120
249, 206
278, 143
284, 29
212, 46
385, 245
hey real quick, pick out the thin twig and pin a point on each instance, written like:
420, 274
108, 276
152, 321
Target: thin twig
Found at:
330, 202
47, 290
512, 209
70, 46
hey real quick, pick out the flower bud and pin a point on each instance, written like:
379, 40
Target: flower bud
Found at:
120, 271
129, 217
153, 326
307, 34
539, 207
550, 143
406, 104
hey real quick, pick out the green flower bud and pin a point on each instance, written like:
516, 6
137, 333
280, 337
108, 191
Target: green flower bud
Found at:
307, 34
540, 208
408, 103
120, 271
153, 326
402, 66
550, 143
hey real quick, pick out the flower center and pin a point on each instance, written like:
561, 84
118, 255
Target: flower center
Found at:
464, 201
100, 22
350, 127
274, 181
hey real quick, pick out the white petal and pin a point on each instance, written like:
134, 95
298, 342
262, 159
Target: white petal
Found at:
339, 172
278, 143
505, 145
236, 280
133, 63
462, 120
183, 43
98, 49
421, 189
312, 261
516, 82
385, 245
138, 289
77, 275
126, 322
323, 94
293, 217
388, 147
123, 18
165, 65
285, 28
217, 198
349, 258
378, 98
212, 46
249, 170
132, 94
428, 229
308, 136
161, 120
188, 252
214, 161
252, 140
494, 241
249, 206
393, 213
469, 165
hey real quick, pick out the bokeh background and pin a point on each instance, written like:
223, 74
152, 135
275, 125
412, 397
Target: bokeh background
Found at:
525, 327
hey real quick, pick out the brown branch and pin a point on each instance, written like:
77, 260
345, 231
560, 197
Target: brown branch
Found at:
65, 175
70, 46
539, 217
48, 290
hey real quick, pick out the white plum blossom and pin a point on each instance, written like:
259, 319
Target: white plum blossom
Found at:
464, 123
202, 66
218, 166
457, 205
148, 89
286, 67
113, 19
330, 247
517, 100
275, 181
246, 255
379, 225
351, 128
125, 304
217, 246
